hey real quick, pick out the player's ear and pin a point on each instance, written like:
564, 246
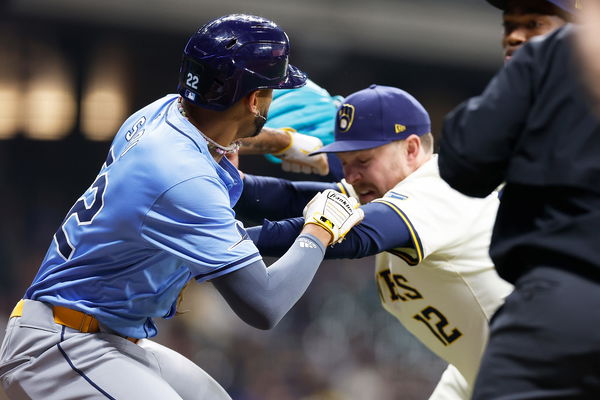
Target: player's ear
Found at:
413, 146
252, 101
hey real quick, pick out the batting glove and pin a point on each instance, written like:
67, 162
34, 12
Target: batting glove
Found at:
295, 157
334, 212
347, 189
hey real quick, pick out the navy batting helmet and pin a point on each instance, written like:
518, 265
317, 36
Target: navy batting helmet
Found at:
571, 6
233, 55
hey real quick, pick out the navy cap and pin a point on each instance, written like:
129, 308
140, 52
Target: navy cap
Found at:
571, 6
376, 116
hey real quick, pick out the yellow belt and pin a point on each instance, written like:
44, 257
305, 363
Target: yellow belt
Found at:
68, 317
65, 316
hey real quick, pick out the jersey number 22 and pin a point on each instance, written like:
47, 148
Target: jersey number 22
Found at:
83, 213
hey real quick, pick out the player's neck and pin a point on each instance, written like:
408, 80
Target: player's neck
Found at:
218, 129
422, 159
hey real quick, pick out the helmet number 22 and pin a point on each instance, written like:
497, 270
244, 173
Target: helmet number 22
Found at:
192, 80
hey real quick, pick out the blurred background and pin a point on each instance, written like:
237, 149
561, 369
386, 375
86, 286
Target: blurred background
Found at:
71, 71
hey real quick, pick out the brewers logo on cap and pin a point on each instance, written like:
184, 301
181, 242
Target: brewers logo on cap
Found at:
345, 117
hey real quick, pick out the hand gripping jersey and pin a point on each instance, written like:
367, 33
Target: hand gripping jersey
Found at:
445, 289
158, 214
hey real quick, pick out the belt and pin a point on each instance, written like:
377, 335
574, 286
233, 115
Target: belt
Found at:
68, 317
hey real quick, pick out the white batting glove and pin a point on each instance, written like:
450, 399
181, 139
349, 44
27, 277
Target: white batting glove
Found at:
347, 189
333, 211
295, 157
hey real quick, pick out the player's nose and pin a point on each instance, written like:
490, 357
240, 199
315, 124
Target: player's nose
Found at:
352, 175
515, 37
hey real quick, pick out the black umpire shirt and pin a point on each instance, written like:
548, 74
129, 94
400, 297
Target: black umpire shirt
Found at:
532, 128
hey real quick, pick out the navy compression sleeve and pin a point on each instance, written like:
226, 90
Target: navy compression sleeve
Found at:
276, 198
261, 296
381, 229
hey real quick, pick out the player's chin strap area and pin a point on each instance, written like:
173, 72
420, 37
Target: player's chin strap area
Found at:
70, 318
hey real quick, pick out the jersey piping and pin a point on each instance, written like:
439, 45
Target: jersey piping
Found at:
414, 236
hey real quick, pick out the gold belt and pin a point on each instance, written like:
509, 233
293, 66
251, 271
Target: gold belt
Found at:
68, 317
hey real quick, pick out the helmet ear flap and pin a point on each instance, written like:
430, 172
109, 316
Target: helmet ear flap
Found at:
200, 82
193, 79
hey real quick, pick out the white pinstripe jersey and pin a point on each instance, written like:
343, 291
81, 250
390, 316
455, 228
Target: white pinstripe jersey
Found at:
445, 289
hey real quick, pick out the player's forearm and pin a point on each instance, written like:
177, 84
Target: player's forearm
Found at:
381, 229
471, 172
275, 198
261, 296
274, 238
268, 141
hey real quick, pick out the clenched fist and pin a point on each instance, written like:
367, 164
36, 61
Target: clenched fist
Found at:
334, 212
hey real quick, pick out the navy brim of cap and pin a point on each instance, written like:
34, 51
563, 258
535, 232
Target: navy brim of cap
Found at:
350, 145
295, 79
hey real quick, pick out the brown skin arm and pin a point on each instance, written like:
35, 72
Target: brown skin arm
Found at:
268, 141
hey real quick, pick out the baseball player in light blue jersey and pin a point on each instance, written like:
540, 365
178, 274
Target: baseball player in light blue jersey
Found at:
158, 215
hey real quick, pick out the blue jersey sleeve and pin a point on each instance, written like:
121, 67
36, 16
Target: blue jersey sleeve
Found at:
382, 229
276, 198
194, 221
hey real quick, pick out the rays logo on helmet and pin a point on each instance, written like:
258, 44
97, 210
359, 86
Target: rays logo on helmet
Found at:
345, 117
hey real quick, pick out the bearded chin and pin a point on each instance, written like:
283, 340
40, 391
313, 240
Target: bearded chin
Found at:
259, 123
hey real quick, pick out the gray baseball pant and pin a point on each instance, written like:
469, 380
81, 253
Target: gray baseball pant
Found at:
41, 359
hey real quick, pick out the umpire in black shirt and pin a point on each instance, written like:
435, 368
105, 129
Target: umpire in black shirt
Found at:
533, 130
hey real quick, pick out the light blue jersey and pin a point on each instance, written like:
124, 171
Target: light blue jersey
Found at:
158, 214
